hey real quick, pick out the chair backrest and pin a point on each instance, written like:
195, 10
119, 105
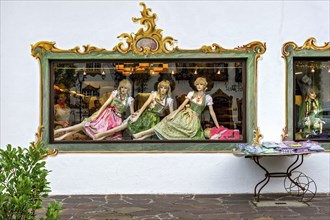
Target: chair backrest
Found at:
180, 100
222, 105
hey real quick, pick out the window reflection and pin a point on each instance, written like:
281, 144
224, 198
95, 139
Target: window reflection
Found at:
87, 85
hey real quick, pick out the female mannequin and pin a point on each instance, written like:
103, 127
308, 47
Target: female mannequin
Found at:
62, 112
184, 124
149, 114
107, 117
309, 114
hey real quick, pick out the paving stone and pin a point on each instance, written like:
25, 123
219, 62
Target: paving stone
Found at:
208, 196
127, 210
240, 209
259, 218
217, 216
281, 213
187, 207
306, 211
292, 218
318, 217
324, 209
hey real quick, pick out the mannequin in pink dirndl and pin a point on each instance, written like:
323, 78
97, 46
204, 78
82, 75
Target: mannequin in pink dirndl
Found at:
109, 116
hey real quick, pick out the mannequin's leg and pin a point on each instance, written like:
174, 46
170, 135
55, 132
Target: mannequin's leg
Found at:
76, 127
102, 135
144, 136
150, 131
66, 135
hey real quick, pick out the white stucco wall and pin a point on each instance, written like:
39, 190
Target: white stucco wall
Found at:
193, 24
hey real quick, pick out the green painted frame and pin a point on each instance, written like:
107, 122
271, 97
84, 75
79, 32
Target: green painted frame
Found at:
45, 51
291, 50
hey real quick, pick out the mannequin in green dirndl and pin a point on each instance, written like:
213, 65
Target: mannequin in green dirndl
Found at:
184, 123
309, 116
149, 114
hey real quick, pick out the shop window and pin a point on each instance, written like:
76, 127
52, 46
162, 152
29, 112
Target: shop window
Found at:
308, 91
76, 83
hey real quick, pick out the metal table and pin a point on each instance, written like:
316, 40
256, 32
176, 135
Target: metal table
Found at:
295, 182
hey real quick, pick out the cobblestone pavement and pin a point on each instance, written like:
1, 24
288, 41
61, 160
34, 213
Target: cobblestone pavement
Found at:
222, 206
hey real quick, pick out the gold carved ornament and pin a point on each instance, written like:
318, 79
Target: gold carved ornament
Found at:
310, 44
257, 136
255, 46
158, 44
39, 48
284, 134
148, 41
50, 152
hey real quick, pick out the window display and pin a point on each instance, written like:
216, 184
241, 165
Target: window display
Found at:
147, 94
308, 91
123, 111
312, 98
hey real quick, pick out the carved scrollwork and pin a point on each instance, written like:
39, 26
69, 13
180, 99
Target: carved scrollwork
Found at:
310, 44
145, 41
255, 46
39, 134
50, 152
257, 136
43, 46
214, 48
284, 134
148, 40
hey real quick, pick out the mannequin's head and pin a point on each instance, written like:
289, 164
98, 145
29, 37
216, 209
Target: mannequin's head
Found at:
311, 93
201, 81
125, 85
165, 84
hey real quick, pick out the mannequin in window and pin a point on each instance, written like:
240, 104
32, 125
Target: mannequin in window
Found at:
184, 123
62, 112
149, 114
110, 115
309, 118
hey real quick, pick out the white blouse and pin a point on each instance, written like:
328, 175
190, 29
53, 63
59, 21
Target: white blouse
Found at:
209, 100
129, 101
169, 100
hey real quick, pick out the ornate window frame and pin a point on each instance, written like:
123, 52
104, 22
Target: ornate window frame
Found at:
290, 52
148, 43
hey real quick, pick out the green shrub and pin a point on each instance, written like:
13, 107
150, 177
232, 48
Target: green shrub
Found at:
23, 183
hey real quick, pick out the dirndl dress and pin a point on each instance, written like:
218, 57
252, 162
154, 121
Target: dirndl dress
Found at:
186, 124
110, 118
151, 116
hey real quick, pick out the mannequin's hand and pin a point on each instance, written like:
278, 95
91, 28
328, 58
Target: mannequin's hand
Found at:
171, 116
65, 124
134, 117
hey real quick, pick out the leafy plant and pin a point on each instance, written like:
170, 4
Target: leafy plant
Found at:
23, 183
